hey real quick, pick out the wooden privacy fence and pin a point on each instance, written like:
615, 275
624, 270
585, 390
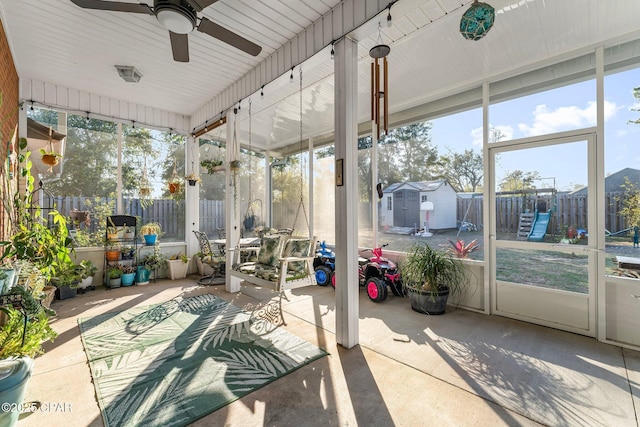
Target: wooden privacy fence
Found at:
569, 210
169, 213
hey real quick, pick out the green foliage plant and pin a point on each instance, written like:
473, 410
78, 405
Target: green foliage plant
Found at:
38, 331
151, 228
430, 270
631, 203
114, 271
460, 249
210, 165
155, 260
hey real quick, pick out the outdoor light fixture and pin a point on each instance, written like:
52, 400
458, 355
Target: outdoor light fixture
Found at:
128, 73
176, 18
380, 50
477, 21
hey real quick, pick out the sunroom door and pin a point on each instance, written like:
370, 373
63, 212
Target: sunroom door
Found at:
544, 258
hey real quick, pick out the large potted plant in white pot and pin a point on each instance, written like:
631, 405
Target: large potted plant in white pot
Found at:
430, 277
24, 326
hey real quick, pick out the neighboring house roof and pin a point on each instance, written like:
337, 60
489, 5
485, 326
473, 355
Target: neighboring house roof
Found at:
421, 186
615, 181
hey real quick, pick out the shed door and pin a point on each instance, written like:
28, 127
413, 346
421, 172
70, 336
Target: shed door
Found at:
406, 208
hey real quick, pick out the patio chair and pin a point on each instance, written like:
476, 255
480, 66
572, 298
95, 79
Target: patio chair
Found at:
210, 258
222, 234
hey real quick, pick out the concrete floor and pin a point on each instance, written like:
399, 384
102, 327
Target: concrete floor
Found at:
410, 369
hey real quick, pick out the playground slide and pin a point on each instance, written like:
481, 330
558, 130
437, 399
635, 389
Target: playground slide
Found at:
539, 227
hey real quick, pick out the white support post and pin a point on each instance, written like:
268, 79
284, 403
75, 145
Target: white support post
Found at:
311, 233
232, 204
346, 140
192, 195
119, 187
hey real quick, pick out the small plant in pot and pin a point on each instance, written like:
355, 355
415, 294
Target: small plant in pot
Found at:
114, 275
150, 232
87, 270
66, 279
430, 276
128, 275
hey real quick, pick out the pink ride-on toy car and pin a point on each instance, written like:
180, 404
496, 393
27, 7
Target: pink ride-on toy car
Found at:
378, 274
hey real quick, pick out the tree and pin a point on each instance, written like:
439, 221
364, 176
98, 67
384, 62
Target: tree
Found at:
636, 95
464, 171
631, 202
518, 180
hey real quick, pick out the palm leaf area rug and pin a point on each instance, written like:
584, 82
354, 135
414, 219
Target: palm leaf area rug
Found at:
169, 364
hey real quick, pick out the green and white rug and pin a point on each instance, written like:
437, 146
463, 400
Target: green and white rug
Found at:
172, 363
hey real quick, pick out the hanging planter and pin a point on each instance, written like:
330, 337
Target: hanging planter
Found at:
212, 165
174, 180
49, 158
193, 179
174, 187
234, 165
145, 188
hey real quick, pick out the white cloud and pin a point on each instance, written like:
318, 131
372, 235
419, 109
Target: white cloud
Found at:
505, 130
565, 118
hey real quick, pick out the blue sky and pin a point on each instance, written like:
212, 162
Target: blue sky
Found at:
566, 108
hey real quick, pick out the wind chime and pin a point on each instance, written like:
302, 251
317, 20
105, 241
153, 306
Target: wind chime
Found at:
380, 113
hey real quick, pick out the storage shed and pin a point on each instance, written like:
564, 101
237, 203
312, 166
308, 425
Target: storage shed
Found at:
401, 203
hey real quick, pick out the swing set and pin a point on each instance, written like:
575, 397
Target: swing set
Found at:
283, 261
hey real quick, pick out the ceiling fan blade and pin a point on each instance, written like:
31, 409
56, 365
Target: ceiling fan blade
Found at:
179, 46
229, 37
114, 6
201, 4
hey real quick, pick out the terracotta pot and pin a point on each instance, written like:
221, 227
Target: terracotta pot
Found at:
49, 159
174, 187
112, 255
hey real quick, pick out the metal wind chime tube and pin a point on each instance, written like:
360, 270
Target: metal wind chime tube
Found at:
378, 115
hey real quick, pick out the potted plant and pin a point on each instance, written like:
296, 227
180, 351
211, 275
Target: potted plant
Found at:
87, 270
430, 276
114, 275
127, 252
128, 275
66, 279
211, 165
112, 252
113, 232
152, 262
460, 249
20, 342
150, 232
177, 266
193, 179
128, 233
49, 158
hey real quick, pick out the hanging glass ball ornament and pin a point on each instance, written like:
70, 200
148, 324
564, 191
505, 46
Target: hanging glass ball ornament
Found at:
477, 21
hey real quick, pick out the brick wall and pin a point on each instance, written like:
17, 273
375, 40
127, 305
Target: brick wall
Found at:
9, 84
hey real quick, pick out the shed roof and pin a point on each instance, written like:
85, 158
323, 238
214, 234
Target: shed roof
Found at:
421, 186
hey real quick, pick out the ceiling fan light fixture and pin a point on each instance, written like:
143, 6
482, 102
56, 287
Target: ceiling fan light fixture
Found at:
177, 19
129, 73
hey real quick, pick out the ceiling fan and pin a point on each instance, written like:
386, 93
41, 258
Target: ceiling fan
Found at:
180, 18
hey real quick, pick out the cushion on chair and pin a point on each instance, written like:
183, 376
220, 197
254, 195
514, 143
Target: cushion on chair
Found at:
296, 248
269, 250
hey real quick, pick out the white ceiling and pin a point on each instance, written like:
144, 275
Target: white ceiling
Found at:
55, 41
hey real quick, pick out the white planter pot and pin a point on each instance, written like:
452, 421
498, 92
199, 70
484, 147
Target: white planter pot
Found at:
85, 283
177, 269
